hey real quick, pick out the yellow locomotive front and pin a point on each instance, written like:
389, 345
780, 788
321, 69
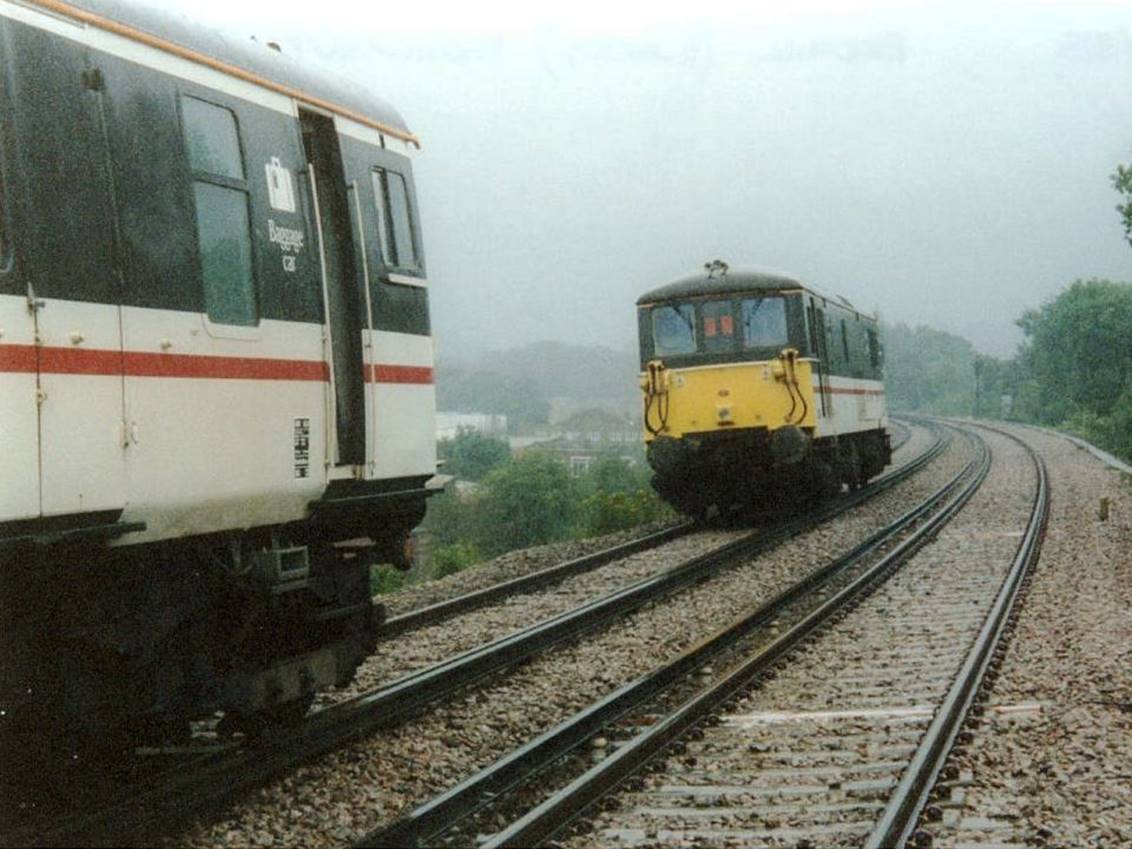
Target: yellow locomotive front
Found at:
730, 411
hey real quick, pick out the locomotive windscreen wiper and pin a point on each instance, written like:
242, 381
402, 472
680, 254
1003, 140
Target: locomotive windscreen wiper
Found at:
758, 302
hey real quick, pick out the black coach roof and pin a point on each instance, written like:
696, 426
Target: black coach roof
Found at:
254, 62
719, 279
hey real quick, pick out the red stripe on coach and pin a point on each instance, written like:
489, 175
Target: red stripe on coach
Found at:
18, 358
836, 391
400, 374
226, 368
23, 358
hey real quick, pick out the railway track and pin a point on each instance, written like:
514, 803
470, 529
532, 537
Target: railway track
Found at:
794, 775
205, 783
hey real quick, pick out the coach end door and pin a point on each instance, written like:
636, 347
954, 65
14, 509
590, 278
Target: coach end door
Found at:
70, 264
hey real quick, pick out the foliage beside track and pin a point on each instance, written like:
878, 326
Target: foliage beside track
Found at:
521, 502
1077, 362
1073, 370
532, 500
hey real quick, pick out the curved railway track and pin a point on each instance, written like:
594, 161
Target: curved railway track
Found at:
199, 784
857, 770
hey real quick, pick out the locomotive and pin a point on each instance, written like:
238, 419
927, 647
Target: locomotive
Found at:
758, 388
216, 374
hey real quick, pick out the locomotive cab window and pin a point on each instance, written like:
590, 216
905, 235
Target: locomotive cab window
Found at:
394, 221
674, 329
220, 193
764, 322
718, 324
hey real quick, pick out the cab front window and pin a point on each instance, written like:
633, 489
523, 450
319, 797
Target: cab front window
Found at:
718, 322
674, 329
764, 322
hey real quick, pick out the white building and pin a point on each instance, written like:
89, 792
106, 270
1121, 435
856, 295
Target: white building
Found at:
448, 425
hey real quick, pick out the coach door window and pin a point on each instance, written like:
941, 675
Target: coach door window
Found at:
221, 195
394, 221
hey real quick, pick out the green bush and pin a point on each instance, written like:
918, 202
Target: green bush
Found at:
530, 501
453, 558
471, 455
386, 579
606, 512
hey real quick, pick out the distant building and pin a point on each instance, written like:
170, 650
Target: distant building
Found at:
591, 433
448, 425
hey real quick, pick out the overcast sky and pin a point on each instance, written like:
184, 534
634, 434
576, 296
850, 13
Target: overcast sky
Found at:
943, 165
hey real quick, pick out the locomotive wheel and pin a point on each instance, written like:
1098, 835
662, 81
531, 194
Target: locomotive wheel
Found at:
825, 483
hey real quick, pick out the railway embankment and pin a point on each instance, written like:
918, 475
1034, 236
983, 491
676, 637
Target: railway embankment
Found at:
1048, 764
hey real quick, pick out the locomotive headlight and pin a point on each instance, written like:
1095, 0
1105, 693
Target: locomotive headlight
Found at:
723, 415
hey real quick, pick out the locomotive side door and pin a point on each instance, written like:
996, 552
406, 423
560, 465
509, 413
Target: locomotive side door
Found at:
346, 316
817, 342
70, 261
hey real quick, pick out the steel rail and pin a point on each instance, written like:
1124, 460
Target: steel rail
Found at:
898, 821
219, 781
409, 693
513, 770
560, 571
553, 814
441, 610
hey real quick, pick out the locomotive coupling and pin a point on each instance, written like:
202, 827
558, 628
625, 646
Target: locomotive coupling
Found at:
654, 383
655, 379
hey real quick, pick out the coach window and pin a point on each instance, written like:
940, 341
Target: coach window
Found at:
674, 329
221, 195
845, 340
764, 322
394, 221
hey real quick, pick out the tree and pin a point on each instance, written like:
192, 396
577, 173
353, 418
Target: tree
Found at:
1077, 348
927, 370
1077, 355
1122, 182
531, 500
471, 455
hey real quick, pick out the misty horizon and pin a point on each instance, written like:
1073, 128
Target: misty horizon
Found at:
951, 173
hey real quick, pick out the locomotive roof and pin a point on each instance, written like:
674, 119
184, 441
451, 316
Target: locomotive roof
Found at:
733, 281
249, 60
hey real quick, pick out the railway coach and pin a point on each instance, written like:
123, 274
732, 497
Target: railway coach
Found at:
216, 372
757, 389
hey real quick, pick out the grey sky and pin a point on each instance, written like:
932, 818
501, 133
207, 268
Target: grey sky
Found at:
948, 168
